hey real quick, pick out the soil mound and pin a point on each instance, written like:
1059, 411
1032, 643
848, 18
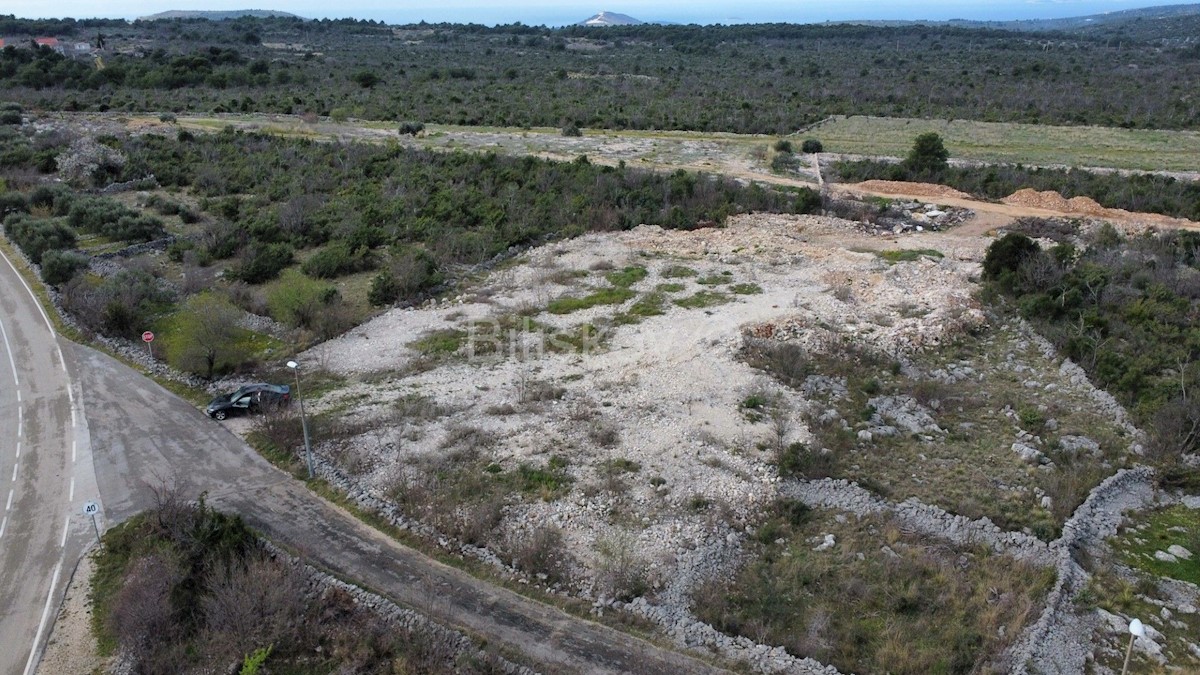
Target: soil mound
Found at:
896, 187
1053, 201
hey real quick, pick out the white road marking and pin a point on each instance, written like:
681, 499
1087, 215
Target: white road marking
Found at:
66, 528
9, 504
72, 452
12, 362
15, 467
20, 420
61, 360
71, 396
29, 290
37, 639
18, 396
71, 492
18, 449
72, 416
3, 524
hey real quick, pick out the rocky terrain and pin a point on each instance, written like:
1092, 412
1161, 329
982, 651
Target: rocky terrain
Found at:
580, 419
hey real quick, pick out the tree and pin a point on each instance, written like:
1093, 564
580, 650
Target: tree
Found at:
58, 266
928, 155
411, 128
204, 335
1005, 256
812, 145
300, 301
365, 79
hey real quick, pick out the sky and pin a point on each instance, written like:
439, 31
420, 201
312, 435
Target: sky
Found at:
561, 12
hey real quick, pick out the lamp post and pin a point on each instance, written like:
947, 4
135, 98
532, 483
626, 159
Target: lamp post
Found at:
1136, 630
303, 419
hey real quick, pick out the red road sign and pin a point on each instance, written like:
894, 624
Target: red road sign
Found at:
147, 337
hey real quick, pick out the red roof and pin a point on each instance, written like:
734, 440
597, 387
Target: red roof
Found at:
46, 42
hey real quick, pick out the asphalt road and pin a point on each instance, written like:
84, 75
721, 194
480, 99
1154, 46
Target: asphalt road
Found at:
146, 437
45, 475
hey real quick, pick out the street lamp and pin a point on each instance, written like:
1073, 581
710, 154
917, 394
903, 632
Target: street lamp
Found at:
1136, 630
303, 419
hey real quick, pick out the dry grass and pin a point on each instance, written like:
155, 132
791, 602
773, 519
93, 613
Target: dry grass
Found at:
1144, 149
969, 467
919, 606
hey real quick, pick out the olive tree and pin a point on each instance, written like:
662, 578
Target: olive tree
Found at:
204, 335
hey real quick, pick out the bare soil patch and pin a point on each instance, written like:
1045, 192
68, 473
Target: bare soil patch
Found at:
913, 189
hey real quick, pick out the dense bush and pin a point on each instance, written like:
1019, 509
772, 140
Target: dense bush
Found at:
185, 588
37, 236
459, 207
300, 301
338, 259
1127, 310
262, 263
122, 305
769, 79
409, 272
1005, 257
59, 267
112, 219
812, 145
12, 202
411, 128
56, 199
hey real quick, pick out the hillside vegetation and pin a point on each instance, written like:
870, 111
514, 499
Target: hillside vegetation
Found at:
747, 79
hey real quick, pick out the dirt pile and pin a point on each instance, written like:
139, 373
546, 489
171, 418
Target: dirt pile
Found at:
1053, 201
912, 189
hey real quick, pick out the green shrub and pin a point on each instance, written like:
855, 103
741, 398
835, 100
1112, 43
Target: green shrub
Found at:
179, 247
785, 162
571, 130
783, 145
10, 117
411, 128
262, 263
298, 300
928, 155
909, 255
55, 198
676, 271
703, 299
337, 259
99, 215
1005, 255
410, 271
604, 296
36, 237
58, 266
812, 145
626, 277
12, 202
746, 289
798, 460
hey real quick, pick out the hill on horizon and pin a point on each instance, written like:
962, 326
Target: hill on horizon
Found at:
611, 19
218, 15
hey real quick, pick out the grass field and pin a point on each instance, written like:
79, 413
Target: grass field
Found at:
1101, 147
1143, 149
